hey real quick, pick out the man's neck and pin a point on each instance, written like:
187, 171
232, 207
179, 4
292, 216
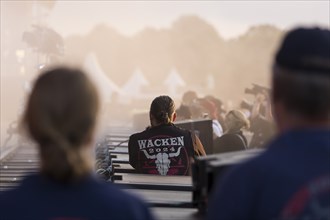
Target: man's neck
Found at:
298, 123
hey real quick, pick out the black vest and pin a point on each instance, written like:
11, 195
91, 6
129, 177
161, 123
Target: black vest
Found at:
229, 142
164, 150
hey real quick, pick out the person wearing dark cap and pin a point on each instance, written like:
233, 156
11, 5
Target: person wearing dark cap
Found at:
290, 180
163, 148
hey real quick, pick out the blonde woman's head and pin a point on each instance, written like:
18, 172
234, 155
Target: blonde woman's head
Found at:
236, 120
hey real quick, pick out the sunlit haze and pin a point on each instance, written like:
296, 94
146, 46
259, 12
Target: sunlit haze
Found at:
137, 50
230, 18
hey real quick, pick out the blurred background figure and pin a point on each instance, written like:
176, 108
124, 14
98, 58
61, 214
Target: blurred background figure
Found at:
209, 107
209, 111
262, 124
233, 139
187, 108
183, 113
220, 110
61, 117
188, 98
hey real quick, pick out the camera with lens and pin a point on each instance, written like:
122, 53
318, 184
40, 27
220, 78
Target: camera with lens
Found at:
256, 89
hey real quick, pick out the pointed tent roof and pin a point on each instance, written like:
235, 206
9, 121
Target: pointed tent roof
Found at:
210, 82
136, 81
104, 84
173, 81
174, 78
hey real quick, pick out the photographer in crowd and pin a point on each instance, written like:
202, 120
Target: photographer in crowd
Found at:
261, 120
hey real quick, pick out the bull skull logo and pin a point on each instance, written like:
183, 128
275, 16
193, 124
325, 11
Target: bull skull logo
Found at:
162, 160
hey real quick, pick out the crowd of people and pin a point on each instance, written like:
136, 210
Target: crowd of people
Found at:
246, 126
290, 180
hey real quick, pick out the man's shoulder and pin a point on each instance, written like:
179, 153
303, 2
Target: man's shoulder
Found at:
166, 130
115, 193
293, 143
118, 199
181, 130
102, 195
24, 190
253, 168
7, 196
138, 134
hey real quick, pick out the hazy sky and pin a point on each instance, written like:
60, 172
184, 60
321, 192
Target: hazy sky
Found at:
230, 18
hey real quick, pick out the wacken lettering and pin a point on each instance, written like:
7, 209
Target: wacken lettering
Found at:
174, 141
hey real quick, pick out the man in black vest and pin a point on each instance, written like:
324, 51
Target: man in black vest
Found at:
163, 148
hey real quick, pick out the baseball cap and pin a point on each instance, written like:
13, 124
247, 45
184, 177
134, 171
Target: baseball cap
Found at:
306, 49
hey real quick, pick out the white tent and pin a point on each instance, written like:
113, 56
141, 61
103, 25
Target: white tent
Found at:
105, 86
173, 81
210, 82
132, 87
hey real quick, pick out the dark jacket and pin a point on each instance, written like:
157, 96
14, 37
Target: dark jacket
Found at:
290, 180
40, 198
230, 142
165, 149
